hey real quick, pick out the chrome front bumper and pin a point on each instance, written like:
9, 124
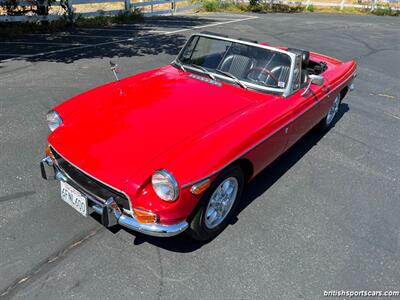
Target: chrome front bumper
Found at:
110, 213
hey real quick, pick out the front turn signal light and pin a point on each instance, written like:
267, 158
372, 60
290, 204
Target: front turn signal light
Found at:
48, 152
144, 216
200, 187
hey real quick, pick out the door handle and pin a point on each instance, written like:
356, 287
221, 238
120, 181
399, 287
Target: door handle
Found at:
326, 88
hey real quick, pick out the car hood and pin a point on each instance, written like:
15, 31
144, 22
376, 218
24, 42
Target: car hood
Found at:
113, 131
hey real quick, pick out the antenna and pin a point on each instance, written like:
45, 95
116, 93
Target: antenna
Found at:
114, 69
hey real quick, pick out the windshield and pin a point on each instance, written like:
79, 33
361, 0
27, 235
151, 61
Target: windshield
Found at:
245, 64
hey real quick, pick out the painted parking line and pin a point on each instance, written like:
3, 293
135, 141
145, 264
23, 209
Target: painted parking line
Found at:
79, 35
112, 29
144, 28
196, 19
155, 22
43, 43
158, 31
211, 25
68, 49
221, 17
125, 39
9, 54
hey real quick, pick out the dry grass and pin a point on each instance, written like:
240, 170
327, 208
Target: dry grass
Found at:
81, 8
93, 7
263, 7
333, 9
353, 10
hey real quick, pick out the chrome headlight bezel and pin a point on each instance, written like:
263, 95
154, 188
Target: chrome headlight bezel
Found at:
164, 179
53, 120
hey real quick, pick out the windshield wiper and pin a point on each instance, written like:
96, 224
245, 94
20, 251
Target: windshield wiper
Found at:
179, 64
235, 79
204, 70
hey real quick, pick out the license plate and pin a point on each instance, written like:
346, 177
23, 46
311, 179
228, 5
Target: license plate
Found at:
74, 198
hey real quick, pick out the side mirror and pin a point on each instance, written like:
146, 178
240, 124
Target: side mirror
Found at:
316, 79
313, 79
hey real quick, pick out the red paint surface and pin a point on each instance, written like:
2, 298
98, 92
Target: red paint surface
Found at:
122, 132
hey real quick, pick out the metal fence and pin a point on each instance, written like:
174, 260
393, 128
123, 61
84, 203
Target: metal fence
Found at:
169, 7
148, 8
341, 4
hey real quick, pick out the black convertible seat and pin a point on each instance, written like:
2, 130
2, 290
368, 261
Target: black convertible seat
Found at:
237, 65
305, 56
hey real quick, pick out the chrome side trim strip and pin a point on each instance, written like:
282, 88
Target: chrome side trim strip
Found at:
126, 195
263, 140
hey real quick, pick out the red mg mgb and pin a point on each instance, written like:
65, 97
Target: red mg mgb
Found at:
170, 150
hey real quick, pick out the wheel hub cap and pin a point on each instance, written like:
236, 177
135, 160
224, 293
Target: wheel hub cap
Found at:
221, 202
333, 110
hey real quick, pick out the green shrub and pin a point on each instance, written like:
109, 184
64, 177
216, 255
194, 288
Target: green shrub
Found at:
12, 29
275, 8
102, 20
212, 5
384, 10
257, 7
265, 6
127, 17
219, 5
36, 7
254, 2
290, 8
240, 6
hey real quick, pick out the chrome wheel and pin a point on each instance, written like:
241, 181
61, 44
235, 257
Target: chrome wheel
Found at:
333, 110
221, 202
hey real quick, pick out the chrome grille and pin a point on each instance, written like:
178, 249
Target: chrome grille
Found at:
91, 184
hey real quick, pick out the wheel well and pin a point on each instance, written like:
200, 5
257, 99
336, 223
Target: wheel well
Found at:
247, 167
344, 92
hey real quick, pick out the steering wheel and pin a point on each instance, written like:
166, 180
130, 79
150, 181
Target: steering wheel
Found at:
264, 71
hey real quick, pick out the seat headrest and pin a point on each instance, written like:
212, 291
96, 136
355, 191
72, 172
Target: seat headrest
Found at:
305, 56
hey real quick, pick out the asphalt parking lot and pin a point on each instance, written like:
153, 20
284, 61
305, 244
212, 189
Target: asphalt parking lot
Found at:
325, 216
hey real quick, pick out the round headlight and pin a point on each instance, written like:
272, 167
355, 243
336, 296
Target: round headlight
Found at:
165, 185
53, 120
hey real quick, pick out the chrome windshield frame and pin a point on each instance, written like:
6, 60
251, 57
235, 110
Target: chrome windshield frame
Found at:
287, 91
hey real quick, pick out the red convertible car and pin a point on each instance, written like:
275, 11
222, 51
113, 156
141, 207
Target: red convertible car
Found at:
170, 150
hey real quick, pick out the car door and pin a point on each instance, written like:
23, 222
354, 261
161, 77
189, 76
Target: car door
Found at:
307, 110
272, 134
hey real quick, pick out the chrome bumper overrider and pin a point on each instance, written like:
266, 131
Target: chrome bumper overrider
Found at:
110, 213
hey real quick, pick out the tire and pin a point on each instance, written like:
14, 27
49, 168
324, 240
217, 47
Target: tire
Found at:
327, 122
213, 213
